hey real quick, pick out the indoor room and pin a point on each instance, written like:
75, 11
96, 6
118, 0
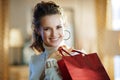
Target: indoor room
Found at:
91, 25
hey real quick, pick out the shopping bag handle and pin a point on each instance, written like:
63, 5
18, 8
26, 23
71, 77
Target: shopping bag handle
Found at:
60, 49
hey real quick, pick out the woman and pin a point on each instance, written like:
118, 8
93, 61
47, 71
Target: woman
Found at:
48, 33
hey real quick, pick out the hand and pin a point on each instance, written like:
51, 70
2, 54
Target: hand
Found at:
58, 56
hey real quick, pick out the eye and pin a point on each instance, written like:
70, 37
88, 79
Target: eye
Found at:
46, 29
58, 27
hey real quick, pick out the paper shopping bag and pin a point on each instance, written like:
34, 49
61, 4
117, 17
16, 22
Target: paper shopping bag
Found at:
81, 66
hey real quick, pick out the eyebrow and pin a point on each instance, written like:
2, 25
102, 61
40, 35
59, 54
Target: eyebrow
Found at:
49, 26
46, 27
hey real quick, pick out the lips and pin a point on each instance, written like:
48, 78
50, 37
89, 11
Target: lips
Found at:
54, 39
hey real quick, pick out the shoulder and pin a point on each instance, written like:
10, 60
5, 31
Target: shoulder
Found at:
37, 57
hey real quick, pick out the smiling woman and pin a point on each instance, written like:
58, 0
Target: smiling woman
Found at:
48, 33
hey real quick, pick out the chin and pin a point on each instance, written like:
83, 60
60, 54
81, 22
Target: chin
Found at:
55, 44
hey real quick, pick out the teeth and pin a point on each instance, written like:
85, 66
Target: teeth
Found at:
54, 38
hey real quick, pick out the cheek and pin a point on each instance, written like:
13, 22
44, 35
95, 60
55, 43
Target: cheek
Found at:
62, 33
46, 35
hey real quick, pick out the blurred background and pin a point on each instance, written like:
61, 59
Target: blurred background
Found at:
94, 26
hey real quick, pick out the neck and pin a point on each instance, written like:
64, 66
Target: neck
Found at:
52, 49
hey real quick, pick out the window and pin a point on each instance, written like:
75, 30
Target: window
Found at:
115, 14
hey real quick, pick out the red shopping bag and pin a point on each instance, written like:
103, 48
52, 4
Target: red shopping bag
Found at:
81, 66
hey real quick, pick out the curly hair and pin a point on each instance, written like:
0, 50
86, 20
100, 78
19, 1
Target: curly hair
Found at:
42, 9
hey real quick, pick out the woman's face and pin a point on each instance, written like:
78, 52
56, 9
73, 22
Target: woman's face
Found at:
51, 30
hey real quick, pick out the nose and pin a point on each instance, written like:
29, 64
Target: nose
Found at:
54, 32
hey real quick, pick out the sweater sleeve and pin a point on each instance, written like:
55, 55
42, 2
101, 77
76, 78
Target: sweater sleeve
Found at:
36, 66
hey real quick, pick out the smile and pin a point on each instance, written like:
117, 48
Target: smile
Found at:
54, 39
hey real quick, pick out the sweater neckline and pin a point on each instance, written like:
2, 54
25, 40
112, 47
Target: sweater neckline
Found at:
52, 49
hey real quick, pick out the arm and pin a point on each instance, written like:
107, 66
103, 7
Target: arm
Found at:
36, 66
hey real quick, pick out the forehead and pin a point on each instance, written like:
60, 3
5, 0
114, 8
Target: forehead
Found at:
51, 20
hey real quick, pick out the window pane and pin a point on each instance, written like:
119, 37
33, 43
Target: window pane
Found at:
116, 14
